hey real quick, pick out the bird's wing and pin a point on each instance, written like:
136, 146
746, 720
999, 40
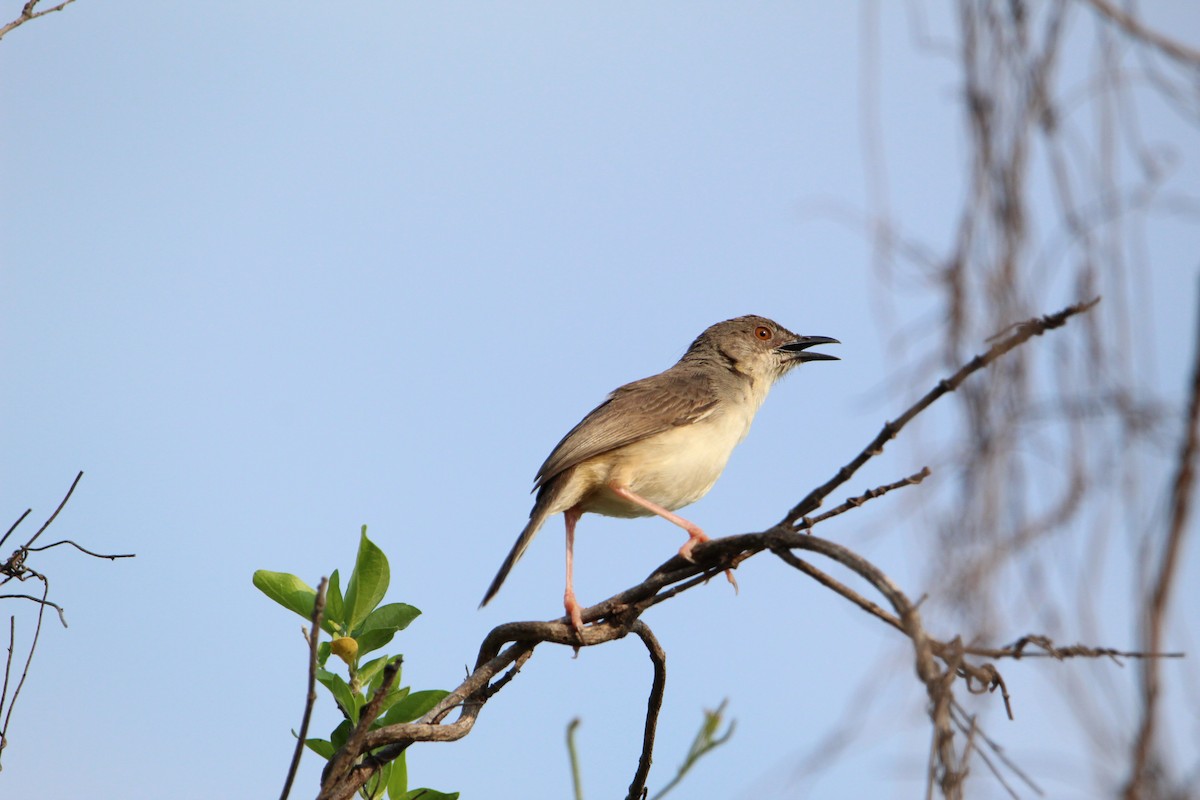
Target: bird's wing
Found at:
631, 413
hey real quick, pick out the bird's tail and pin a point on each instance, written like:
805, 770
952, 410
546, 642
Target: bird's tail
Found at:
541, 510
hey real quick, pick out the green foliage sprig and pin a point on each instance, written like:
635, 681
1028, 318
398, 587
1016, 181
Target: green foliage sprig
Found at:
359, 625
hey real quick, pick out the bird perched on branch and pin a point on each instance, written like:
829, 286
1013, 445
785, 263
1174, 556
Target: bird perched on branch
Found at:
658, 444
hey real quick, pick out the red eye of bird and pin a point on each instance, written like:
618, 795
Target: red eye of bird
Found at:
762, 332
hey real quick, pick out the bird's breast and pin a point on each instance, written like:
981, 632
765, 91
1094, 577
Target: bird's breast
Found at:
673, 468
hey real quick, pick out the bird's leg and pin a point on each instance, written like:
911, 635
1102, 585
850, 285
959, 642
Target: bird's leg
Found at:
695, 535
571, 516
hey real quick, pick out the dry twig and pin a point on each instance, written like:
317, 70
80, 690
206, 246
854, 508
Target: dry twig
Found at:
310, 699
29, 12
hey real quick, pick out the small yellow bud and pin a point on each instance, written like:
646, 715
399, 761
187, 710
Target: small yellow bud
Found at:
345, 648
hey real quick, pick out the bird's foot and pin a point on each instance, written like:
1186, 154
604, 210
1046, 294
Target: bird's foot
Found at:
695, 537
574, 612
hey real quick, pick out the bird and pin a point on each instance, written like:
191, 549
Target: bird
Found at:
660, 443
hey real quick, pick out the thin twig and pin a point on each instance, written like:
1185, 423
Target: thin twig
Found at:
61, 616
81, 548
13, 527
37, 632
27, 13
806, 523
12, 642
74, 483
999, 753
314, 638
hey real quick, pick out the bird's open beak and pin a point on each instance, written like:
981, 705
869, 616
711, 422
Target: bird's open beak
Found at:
801, 345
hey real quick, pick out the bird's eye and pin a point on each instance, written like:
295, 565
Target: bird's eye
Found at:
762, 332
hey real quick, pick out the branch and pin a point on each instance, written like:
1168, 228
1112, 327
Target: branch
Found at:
314, 638
855, 502
1133, 26
659, 658
1160, 593
28, 13
82, 549
1023, 332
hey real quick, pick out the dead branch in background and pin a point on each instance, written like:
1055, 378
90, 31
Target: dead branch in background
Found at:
16, 568
1155, 613
1060, 188
939, 663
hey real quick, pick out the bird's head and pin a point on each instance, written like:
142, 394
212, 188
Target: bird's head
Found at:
757, 347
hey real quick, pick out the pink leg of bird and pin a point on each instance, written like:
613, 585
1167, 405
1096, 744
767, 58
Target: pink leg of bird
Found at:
571, 516
695, 535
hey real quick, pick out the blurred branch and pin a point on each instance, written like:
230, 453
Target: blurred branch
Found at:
573, 756
707, 739
1134, 27
1156, 607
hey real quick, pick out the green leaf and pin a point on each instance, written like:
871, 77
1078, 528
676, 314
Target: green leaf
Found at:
334, 605
340, 690
393, 697
368, 583
323, 651
415, 706
369, 672
382, 624
321, 747
340, 734
398, 783
287, 590
427, 794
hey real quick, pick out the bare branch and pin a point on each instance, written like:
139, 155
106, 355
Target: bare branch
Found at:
807, 523
314, 638
61, 616
659, 658
82, 549
13, 527
37, 632
1155, 612
70, 492
28, 13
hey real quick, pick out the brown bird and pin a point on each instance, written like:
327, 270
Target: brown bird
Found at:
659, 444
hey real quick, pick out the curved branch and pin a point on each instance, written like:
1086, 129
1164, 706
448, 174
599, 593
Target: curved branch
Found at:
659, 658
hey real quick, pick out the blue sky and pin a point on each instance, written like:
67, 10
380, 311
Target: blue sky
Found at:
270, 271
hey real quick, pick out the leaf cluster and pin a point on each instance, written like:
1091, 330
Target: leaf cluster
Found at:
358, 626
